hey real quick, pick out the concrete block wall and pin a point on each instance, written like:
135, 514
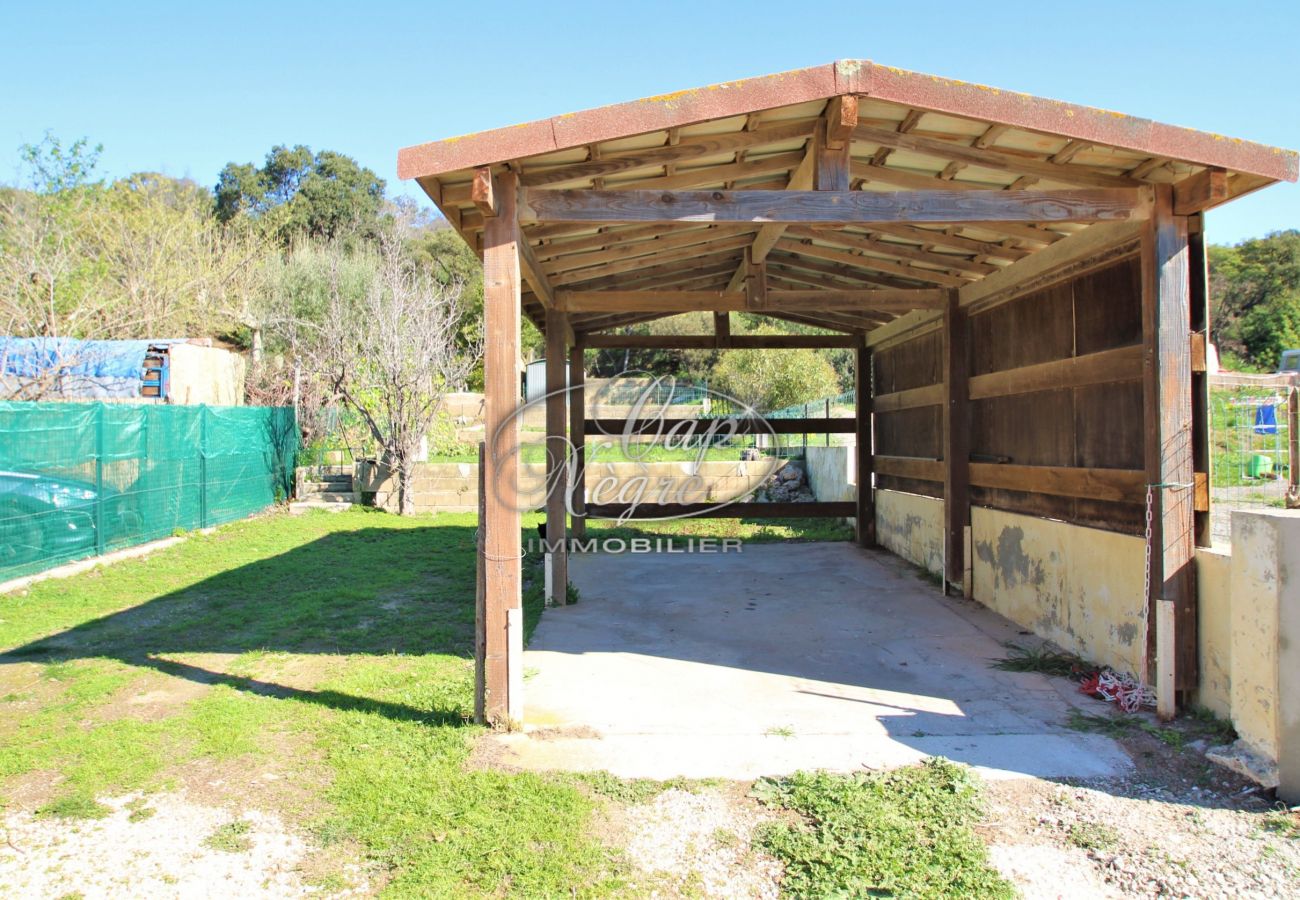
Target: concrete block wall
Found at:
453, 487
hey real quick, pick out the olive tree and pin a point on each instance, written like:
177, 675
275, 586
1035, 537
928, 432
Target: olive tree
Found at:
393, 353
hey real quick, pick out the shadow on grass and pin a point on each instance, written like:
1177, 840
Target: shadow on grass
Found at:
402, 590
377, 592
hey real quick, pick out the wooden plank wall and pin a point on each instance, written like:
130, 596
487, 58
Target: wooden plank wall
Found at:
917, 431
1075, 426
1097, 426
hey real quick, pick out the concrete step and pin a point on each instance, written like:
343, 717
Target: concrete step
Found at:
301, 506
328, 496
326, 471
316, 487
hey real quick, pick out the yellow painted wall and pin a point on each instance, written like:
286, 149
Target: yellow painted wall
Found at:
1257, 567
911, 526
1080, 587
1214, 630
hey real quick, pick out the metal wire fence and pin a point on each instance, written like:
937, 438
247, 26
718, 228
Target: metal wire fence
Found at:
81, 479
1253, 433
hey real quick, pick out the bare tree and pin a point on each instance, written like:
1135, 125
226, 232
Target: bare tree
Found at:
392, 354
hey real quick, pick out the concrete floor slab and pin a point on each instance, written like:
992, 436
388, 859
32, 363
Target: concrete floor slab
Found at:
784, 657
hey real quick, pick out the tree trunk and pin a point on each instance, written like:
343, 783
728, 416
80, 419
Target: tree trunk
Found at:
405, 495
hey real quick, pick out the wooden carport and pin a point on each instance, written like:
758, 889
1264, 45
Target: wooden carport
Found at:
1023, 281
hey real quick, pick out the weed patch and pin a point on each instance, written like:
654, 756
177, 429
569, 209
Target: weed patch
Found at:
1039, 659
231, 837
902, 833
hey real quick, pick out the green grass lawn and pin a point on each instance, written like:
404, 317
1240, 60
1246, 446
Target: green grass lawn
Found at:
332, 649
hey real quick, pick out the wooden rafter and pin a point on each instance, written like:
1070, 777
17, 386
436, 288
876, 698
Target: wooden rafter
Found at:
892, 249
632, 160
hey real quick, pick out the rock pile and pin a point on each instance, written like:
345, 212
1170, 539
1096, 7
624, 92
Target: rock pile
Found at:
788, 484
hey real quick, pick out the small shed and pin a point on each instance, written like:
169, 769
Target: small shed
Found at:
1023, 282
178, 371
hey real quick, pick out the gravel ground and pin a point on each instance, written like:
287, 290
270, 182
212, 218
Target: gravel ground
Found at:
1181, 827
150, 846
698, 845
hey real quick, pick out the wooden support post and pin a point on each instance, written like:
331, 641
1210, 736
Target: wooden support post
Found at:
833, 150
578, 434
557, 446
480, 597
722, 329
1167, 396
956, 440
1199, 315
866, 499
503, 704
1293, 443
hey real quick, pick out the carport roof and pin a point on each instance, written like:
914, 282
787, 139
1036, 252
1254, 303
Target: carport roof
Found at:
911, 132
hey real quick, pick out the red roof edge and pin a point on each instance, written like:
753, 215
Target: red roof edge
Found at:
864, 77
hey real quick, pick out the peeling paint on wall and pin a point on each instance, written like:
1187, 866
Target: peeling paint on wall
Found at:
912, 527
1079, 587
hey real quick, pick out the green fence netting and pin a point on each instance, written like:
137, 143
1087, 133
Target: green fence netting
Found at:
80, 479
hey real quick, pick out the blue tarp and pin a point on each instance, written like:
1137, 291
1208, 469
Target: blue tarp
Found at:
84, 369
30, 357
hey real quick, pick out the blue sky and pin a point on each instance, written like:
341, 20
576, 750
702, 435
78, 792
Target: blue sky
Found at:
184, 88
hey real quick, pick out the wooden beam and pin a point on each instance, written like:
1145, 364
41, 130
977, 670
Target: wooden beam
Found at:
709, 342
916, 468
955, 365
537, 280
651, 301
865, 513
741, 425
986, 158
834, 153
801, 179
557, 447
629, 249
1166, 302
722, 329
1205, 189
872, 244
879, 299
945, 238
1051, 264
873, 263
578, 434
913, 398
631, 160
755, 280
1198, 271
921, 321
1119, 485
650, 261
502, 552
741, 509
483, 191
798, 207
1102, 367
